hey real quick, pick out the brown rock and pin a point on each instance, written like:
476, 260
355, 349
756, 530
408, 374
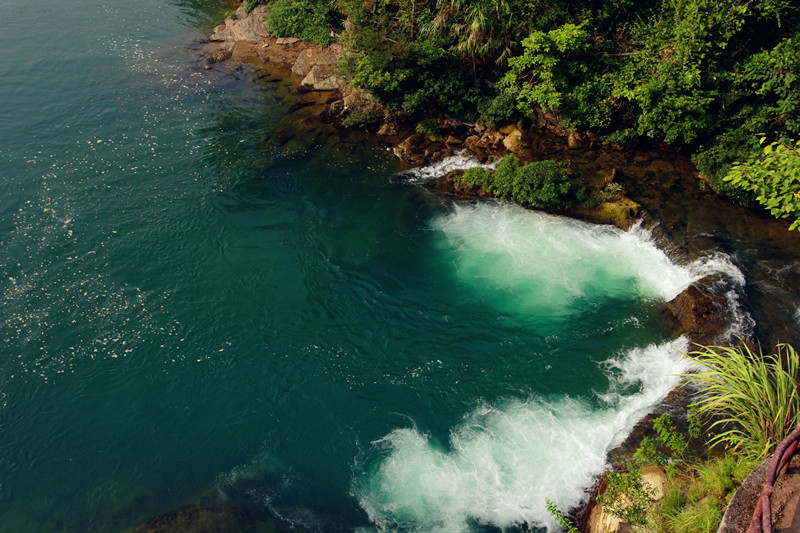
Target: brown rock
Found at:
388, 128
412, 150
513, 141
245, 27
656, 479
304, 63
574, 139
491, 139
699, 313
452, 140
319, 80
287, 40
472, 141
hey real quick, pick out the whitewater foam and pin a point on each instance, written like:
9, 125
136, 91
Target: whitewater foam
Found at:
458, 161
504, 461
550, 263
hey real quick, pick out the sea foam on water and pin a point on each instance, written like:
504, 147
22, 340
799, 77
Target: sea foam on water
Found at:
503, 460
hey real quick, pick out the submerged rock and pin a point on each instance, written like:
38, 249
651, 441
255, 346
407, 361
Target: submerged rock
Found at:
196, 520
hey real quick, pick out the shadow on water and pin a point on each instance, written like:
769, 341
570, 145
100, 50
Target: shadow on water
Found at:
694, 221
205, 14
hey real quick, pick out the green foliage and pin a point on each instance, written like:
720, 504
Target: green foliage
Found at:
250, 5
562, 519
752, 397
541, 184
699, 517
698, 496
668, 446
359, 119
612, 190
415, 76
499, 110
627, 497
550, 64
774, 176
429, 127
306, 19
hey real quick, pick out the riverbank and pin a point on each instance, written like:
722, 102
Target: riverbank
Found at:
598, 165
652, 173
646, 184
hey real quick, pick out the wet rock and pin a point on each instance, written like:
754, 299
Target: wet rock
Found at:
452, 140
699, 313
412, 150
449, 184
244, 27
622, 212
388, 128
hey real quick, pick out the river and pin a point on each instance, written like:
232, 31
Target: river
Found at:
192, 317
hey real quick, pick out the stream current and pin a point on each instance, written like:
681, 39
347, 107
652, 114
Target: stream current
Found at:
188, 317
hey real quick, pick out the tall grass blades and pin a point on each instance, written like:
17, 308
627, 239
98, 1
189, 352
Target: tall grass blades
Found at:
753, 398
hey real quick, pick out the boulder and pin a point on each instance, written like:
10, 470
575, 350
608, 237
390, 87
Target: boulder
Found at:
472, 141
600, 520
412, 150
491, 139
319, 80
304, 63
314, 55
388, 128
244, 27
699, 313
513, 141
574, 139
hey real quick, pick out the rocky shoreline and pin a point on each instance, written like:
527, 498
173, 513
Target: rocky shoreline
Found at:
699, 312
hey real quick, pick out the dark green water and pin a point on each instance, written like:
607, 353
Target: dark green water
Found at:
187, 316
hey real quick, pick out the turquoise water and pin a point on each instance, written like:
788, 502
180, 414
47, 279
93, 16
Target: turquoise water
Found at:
188, 315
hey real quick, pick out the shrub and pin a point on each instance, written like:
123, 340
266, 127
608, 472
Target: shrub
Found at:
754, 398
541, 184
652, 449
429, 127
359, 119
250, 5
774, 176
300, 18
627, 497
502, 108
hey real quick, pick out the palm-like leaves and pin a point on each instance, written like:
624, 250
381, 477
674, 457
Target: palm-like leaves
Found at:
480, 27
754, 398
